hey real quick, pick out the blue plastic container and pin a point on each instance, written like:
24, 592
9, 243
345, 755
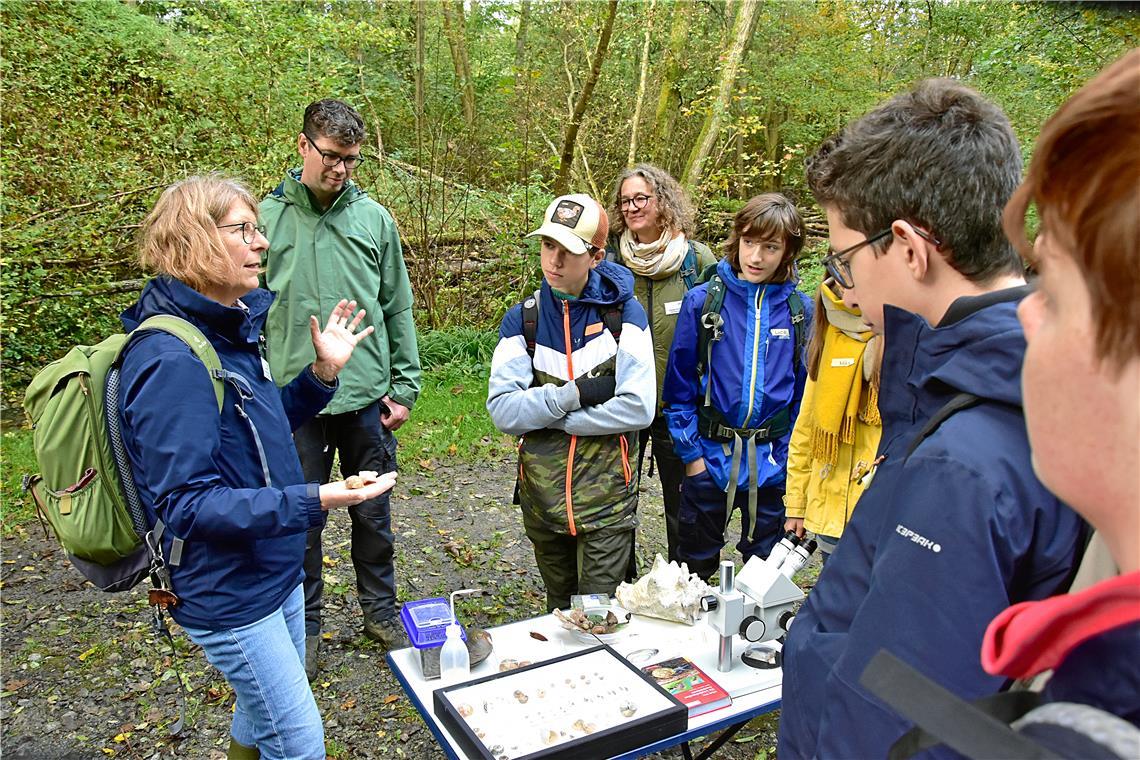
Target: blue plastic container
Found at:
426, 622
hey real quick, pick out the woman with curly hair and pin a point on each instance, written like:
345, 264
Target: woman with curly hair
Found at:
651, 223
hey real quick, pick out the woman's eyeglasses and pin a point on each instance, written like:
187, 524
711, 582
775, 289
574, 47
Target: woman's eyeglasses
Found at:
637, 202
247, 230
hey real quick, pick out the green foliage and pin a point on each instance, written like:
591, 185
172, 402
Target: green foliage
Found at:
450, 421
106, 102
463, 346
17, 458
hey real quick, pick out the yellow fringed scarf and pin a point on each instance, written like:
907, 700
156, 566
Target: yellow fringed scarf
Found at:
839, 384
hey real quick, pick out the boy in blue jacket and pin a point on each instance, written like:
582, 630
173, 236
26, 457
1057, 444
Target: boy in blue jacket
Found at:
954, 526
731, 398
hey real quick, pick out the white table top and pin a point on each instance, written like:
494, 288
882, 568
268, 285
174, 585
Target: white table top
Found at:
753, 692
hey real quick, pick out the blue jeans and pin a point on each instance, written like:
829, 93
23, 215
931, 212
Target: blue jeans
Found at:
264, 664
364, 444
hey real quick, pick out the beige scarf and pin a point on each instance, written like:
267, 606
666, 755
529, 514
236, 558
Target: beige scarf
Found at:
656, 260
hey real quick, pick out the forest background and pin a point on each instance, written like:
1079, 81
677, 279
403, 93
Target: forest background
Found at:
478, 111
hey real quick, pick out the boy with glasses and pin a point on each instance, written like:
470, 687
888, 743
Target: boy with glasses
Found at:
954, 525
327, 236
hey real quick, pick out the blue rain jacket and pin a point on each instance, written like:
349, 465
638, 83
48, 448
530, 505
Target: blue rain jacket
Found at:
199, 471
941, 542
754, 374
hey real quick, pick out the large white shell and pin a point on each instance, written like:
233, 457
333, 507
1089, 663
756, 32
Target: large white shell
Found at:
668, 591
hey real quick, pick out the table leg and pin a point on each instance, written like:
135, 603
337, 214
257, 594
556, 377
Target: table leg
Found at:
708, 751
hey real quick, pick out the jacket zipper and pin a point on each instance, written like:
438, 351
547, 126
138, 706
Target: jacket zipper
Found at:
755, 353
626, 470
573, 438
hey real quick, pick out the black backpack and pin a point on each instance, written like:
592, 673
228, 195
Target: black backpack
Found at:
611, 317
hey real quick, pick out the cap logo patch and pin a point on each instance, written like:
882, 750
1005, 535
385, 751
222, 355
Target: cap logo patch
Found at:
567, 213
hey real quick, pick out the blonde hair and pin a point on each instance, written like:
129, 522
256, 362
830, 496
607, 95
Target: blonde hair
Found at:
179, 236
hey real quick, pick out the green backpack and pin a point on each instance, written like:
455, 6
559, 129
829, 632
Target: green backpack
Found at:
85, 490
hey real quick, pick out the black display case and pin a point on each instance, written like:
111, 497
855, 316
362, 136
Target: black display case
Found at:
591, 703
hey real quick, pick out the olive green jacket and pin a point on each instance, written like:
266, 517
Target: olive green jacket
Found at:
351, 250
661, 300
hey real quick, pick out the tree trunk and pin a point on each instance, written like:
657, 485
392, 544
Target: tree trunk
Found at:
567, 158
522, 94
742, 30
520, 40
668, 101
641, 85
421, 16
455, 29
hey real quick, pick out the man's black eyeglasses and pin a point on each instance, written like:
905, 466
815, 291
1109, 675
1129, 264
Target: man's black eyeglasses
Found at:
838, 264
247, 229
637, 202
330, 159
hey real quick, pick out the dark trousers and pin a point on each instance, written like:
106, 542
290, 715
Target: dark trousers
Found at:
704, 509
671, 470
589, 563
363, 444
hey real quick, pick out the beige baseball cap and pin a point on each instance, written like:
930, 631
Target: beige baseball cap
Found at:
577, 222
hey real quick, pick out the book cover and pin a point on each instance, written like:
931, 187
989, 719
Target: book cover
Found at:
688, 683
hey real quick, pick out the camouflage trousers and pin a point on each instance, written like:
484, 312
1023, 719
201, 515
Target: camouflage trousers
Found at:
589, 563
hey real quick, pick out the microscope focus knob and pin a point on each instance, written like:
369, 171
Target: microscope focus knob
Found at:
709, 603
752, 628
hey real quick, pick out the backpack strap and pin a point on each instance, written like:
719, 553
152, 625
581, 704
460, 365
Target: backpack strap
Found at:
796, 308
711, 326
972, 729
530, 321
689, 267
192, 337
958, 403
611, 318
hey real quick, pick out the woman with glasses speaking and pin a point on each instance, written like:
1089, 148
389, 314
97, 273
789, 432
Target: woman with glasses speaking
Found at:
220, 471
651, 219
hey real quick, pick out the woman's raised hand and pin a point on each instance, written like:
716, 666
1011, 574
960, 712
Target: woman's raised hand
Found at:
334, 344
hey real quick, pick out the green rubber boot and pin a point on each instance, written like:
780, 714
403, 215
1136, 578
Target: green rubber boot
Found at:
242, 752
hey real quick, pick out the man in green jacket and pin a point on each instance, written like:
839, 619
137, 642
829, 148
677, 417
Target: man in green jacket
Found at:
327, 239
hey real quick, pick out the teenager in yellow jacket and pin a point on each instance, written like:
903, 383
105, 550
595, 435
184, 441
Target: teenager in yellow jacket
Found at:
837, 433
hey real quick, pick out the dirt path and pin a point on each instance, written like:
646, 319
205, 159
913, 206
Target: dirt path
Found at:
83, 677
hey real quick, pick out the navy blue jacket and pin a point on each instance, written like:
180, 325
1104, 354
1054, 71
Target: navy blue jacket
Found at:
942, 541
754, 374
199, 471
1104, 672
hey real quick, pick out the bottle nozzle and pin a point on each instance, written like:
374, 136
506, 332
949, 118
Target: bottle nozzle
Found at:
460, 592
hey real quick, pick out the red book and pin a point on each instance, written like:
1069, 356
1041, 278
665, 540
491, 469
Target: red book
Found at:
688, 683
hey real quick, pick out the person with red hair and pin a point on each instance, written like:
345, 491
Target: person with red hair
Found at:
1081, 383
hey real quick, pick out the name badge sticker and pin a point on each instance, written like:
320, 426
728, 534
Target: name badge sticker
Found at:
842, 362
672, 307
781, 332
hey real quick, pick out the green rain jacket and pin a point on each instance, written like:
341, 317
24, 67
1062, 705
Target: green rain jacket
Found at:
351, 250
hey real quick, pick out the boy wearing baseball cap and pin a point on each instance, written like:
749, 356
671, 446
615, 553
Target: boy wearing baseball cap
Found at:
573, 377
